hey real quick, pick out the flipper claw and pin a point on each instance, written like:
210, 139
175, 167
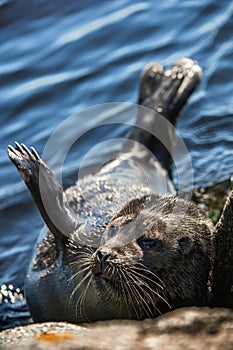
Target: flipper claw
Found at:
25, 149
11, 149
35, 154
18, 147
20, 155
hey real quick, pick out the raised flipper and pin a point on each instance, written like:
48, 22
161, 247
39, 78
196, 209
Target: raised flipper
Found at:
45, 189
165, 92
222, 287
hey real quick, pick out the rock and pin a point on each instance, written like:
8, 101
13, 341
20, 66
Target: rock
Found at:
212, 198
189, 328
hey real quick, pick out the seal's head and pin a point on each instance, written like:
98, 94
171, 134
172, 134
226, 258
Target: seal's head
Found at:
155, 255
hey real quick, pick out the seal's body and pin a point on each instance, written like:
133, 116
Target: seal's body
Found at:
116, 247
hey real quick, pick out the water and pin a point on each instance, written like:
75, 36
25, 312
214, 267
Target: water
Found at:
58, 58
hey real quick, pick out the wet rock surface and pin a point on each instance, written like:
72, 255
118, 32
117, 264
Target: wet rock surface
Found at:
213, 198
189, 328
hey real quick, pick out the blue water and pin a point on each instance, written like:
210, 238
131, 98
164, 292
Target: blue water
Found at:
59, 57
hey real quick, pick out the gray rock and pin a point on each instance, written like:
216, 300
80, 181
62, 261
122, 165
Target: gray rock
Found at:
189, 328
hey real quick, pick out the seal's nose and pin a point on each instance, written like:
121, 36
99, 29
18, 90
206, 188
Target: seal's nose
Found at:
101, 261
102, 255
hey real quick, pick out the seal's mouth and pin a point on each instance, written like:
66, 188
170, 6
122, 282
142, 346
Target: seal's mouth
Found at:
107, 276
103, 276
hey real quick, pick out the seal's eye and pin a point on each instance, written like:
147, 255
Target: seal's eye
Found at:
149, 243
112, 231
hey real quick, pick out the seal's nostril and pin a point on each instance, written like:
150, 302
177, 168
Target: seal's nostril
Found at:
102, 255
99, 255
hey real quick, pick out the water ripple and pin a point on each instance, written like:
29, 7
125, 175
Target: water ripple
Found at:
79, 32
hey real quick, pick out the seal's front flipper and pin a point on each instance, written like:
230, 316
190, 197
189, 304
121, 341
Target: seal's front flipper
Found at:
222, 287
45, 189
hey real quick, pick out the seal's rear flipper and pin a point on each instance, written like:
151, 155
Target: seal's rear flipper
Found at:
45, 189
165, 92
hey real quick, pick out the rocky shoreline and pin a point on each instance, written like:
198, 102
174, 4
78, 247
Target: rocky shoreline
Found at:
182, 329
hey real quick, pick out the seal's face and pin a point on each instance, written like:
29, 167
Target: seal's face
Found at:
143, 266
121, 274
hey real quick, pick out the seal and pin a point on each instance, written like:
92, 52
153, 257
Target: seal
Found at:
116, 248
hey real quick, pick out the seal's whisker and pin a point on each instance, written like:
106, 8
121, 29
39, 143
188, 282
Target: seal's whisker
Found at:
145, 295
81, 300
152, 302
143, 282
140, 283
150, 272
87, 248
80, 255
86, 251
108, 269
127, 295
135, 301
80, 263
77, 273
80, 251
136, 288
112, 270
83, 262
151, 289
79, 284
146, 277
77, 287
126, 287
